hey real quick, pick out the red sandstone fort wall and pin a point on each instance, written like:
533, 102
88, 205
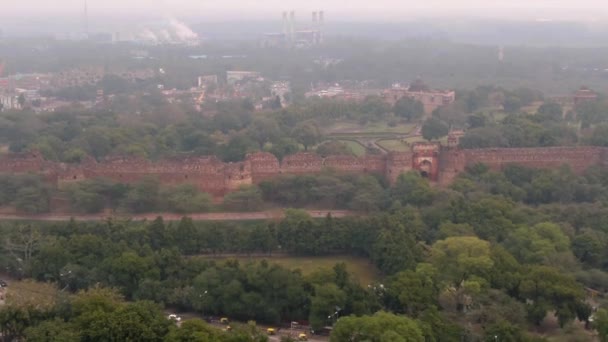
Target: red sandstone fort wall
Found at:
398, 163
578, 158
264, 166
451, 163
211, 175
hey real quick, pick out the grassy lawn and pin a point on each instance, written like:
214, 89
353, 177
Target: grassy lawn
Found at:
354, 146
361, 268
372, 127
394, 145
532, 108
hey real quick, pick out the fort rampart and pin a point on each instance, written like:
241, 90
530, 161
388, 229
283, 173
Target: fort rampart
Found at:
212, 175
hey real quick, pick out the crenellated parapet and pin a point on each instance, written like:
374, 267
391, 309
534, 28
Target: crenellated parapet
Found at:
209, 174
579, 158
302, 163
264, 166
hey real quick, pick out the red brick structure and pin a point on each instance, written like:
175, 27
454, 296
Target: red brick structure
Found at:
209, 174
431, 99
584, 94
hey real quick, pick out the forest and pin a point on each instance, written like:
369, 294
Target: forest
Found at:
496, 254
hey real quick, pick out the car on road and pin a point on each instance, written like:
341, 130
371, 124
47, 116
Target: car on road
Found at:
302, 337
174, 317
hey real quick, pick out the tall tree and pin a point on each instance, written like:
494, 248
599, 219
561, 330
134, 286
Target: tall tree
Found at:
381, 327
307, 134
409, 109
461, 261
433, 128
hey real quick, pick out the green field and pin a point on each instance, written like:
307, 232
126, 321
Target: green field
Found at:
394, 145
354, 146
369, 128
361, 268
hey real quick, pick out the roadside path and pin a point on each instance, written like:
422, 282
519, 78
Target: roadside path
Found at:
243, 216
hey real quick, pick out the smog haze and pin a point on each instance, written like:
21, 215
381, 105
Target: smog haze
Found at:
359, 9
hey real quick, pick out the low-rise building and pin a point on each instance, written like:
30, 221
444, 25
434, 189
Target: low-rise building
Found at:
431, 99
236, 76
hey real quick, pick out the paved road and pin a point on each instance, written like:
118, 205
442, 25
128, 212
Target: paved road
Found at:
258, 215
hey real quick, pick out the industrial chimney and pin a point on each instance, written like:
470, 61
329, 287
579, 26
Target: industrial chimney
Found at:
321, 24
315, 29
285, 26
292, 20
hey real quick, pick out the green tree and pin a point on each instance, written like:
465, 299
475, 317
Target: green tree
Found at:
588, 247
32, 199
462, 262
143, 196
546, 288
264, 130
409, 109
55, 330
127, 269
411, 188
326, 301
284, 147
186, 198
434, 128
139, 321
599, 137
193, 330
237, 148
394, 248
538, 244
306, 133
415, 291
512, 104
14, 322
550, 111
601, 324
504, 331
381, 327
186, 236
247, 198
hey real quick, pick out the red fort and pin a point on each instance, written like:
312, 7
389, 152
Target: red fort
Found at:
209, 174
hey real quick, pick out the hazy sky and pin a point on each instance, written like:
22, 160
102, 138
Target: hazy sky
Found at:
395, 9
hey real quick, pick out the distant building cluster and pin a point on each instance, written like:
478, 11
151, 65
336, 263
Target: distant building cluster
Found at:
431, 99
236, 85
584, 94
32, 89
93, 75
